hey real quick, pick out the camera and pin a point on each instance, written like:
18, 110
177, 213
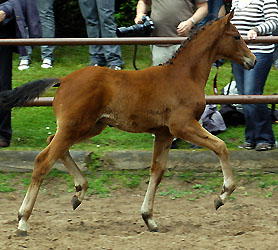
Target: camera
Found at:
141, 29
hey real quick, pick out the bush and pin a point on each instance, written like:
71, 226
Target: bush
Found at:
68, 18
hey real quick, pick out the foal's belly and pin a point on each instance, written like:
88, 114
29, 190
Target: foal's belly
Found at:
133, 123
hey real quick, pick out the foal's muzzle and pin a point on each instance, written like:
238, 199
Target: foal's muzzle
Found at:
249, 63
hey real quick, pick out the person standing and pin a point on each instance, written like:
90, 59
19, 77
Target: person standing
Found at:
15, 16
275, 54
98, 15
171, 18
256, 18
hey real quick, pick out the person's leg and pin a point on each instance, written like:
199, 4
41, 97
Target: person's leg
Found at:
161, 54
239, 75
25, 53
259, 114
5, 84
275, 54
106, 9
46, 13
90, 14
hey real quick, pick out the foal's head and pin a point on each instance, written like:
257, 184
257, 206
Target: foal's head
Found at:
231, 45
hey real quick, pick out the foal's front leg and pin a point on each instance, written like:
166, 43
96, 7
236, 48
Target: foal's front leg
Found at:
162, 145
195, 133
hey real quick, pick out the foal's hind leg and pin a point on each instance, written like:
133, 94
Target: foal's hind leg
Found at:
195, 133
80, 181
81, 184
43, 163
162, 145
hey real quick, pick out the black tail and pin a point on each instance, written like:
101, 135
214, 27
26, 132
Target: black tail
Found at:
27, 92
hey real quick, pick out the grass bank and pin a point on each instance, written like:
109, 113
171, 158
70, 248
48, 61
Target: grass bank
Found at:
189, 184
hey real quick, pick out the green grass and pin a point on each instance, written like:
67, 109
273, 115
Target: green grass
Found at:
189, 184
32, 125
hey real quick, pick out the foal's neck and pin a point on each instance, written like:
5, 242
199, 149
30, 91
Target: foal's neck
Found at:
197, 55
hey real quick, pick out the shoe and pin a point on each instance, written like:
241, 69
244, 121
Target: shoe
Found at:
115, 67
275, 64
247, 145
24, 64
4, 143
46, 64
93, 64
263, 146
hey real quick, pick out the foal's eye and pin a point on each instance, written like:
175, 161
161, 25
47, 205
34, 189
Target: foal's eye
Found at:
237, 37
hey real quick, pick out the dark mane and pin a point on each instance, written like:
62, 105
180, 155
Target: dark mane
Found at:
191, 37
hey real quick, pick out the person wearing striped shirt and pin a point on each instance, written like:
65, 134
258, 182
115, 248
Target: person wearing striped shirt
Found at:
256, 18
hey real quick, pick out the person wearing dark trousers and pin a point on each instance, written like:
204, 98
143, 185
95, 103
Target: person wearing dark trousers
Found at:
275, 53
98, 15
11, 27
5, 82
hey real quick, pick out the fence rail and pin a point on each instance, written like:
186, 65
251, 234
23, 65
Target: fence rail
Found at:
215, 99
220, 99
121, 41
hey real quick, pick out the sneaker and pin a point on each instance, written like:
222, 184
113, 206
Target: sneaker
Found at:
24, 64
46, 64
247, 145
263, 146
175, 143
93, 64
115, 67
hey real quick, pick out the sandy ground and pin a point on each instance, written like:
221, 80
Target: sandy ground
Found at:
114, 223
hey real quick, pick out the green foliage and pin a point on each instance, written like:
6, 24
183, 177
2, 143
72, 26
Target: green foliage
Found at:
125, 14
68, 19
5, 185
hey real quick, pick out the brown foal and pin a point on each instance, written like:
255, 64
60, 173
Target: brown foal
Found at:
166, 100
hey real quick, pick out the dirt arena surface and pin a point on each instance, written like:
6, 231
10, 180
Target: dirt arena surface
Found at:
114, 223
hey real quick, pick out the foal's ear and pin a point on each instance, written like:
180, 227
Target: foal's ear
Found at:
230, 16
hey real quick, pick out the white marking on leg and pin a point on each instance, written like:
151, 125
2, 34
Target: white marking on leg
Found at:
26, 208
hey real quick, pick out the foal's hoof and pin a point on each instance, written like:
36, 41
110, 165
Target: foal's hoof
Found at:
150, 223
75, 202
21, 233
154, 230
218, 203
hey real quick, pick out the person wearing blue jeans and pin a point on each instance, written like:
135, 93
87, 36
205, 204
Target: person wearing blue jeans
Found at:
258, 125
98, 15
46, 13
253, 19
275, 55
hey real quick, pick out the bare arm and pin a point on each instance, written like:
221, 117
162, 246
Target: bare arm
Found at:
142, 9
2, 15
185, 26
